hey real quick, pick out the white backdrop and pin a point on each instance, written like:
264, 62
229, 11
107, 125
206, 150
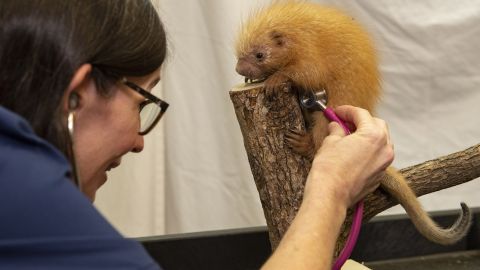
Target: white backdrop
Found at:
194, 175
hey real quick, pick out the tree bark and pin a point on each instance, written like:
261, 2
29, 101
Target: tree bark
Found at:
280, 174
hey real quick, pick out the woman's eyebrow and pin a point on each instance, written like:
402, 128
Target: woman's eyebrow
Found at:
154, 83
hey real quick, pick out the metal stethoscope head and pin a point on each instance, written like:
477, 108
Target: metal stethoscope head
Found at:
315, 101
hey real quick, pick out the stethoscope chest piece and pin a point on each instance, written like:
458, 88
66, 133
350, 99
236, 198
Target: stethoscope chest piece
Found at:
315, 101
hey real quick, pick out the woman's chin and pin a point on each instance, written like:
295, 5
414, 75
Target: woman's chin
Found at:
90, 187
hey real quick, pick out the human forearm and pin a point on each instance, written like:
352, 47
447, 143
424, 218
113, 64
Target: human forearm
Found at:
310, 240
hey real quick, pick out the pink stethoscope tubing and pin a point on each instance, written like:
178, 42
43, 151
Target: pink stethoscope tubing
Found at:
358, 212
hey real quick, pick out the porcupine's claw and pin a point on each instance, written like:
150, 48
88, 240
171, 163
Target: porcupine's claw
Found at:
274, 83
300, 142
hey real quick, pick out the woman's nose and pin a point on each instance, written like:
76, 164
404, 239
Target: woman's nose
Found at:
138, 146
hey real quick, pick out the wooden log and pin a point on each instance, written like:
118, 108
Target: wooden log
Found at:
280, 174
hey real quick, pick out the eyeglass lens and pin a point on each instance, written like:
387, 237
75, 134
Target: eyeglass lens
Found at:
148, 115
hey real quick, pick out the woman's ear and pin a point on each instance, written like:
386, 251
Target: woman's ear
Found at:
73, 96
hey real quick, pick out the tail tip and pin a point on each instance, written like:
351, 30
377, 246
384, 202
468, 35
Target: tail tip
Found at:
465, 208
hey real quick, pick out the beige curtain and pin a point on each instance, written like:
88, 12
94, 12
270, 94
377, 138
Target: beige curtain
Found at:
194, 175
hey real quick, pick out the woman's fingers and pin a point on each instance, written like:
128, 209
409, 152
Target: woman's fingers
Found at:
352, 114
334, 129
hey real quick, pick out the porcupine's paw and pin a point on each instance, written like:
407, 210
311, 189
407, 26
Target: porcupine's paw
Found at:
274, 83
300, 142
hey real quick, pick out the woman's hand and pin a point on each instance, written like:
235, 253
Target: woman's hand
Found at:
343, 171
345, 168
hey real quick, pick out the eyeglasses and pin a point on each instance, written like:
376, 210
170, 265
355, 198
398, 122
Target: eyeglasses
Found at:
151, 110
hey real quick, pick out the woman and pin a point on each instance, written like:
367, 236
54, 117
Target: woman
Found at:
75, 83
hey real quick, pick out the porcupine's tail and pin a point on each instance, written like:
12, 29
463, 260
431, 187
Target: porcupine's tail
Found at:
395, 184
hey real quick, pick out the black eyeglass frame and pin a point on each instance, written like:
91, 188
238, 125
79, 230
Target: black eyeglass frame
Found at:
149, 98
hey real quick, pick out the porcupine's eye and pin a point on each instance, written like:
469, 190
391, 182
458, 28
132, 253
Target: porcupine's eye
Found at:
259, 56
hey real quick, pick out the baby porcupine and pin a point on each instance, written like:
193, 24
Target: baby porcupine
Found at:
315, 48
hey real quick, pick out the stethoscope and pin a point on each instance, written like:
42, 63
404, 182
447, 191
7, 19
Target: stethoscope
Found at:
317, 102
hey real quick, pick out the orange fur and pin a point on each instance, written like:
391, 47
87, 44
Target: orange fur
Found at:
327, 49
315, 47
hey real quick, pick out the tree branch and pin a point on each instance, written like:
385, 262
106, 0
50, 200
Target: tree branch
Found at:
280, 174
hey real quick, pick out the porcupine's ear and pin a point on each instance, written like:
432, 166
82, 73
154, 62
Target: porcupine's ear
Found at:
278, 38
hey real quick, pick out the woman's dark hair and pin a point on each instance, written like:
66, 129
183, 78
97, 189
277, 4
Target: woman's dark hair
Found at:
43, 42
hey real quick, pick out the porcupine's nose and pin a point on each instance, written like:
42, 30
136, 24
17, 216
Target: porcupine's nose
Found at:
242, 67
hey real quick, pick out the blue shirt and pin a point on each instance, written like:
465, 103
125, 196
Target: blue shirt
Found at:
45, 221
